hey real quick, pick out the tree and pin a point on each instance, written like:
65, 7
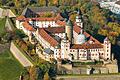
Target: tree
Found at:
72, 17
24, 46
41, 2
25, 74
52, 71
46, 76
19, 34
34, 73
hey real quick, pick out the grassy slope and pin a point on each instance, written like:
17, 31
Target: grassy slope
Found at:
2, 25
10, 68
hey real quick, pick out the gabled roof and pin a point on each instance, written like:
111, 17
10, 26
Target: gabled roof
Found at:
43, 19
58, 17
77, 29
47, 37
28, 27
86, 46
44, 9
36, 10
61, 23
55, 30
21, 17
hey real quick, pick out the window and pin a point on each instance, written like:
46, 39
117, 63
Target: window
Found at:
107, 54
88, 54
107, 50
92, 54
84, 54
102, 53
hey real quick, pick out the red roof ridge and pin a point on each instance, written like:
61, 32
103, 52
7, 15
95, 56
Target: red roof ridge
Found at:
86, 46
55, 29
62, 23
58, 17
77, 29
21, 17
27, 26
47, 37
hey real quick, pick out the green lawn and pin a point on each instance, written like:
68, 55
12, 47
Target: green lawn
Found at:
2, 25
10, 68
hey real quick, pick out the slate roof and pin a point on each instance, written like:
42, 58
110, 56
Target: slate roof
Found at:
35, 10
44, 9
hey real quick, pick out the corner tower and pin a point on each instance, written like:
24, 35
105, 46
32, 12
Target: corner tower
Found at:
107, 48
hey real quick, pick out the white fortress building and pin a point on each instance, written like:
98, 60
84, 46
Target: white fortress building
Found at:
113, 6
65, 39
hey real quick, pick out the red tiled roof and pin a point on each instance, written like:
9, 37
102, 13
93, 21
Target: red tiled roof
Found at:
59, 17
28, 27
86, 46
47, 37
61, 23
55, 29
21, 17
77, 29
94, 40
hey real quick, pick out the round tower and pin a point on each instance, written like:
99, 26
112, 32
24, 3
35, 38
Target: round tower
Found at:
69, 30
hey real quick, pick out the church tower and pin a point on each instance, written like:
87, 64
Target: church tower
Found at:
65, 46
79, 20
107, 48
69, 30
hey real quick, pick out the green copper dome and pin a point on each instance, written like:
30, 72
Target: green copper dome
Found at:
81, 38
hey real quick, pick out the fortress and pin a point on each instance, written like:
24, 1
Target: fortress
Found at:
63, 38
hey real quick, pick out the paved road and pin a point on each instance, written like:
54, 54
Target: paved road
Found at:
96, 77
